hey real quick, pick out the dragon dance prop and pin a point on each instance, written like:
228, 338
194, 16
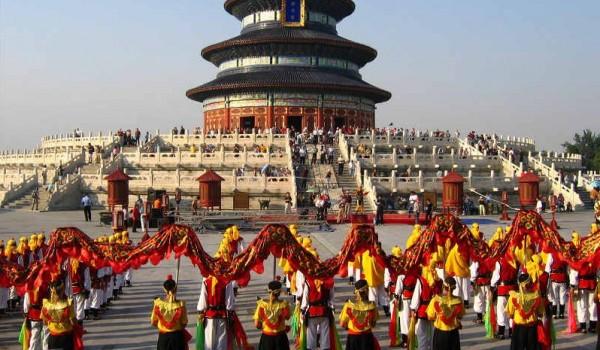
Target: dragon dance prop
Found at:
489, 319
394, 328
571, 314
200, 335
277, 240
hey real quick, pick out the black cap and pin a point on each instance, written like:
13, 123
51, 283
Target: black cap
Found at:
274, 285
360, 284
450, 282
523, 278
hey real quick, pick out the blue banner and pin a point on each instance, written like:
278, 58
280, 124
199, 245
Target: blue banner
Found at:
294, 11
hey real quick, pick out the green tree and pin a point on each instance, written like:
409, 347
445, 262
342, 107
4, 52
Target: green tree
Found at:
588, 145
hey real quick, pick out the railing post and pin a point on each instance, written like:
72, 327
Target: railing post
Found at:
470, 179
415, 161
393, 181
420, 179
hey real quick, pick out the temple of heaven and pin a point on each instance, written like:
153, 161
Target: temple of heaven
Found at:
288, 69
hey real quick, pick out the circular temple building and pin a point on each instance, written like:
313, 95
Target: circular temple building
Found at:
289, 69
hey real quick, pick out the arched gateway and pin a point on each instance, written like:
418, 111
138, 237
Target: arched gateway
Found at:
288, 68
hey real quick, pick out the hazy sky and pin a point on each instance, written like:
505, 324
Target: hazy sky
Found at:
525, 68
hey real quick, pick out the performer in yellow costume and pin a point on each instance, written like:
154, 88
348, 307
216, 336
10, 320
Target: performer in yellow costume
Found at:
169, 315
359, 318
58, 314
446, 311
525, 308
270, 317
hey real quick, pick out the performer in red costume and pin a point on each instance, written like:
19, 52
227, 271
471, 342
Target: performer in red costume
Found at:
317, 308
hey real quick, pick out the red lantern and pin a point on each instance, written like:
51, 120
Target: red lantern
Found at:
529, 189
453, 191
118, 189
210, 189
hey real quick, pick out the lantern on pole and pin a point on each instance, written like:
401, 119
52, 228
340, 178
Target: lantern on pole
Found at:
529, 190
452, 192
553, 223
118, 198
210, 189
504, 216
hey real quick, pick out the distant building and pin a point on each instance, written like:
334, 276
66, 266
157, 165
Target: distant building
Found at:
289, 69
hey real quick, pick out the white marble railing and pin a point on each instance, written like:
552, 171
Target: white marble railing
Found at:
225, 139
585, 179
38, 158
430, 160
187, 181
420, 183
70, 141
216, 159
20, 189
389, 139
553, 176
560, 160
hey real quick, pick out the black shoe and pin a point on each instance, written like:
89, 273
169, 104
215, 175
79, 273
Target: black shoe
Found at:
582, 328
510, 332
592, 328
561, 312
386, 310
478, 319
128, 283
500, 333
466, 304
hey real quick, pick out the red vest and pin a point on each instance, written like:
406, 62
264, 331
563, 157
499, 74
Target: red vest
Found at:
558, 271
77, 279
409, 283
484, 274
543, 284
215, 301
508, 278
96, 281
427, 294
27, 257
587, 277
35, 304
318, 299
233, 247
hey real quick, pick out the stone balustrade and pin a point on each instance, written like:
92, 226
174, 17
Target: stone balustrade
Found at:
218, 158
18, 189
429, 160
218, 138
553, 176
567, 161
420, 183
39, 157
389, 139
186, 180
66, 141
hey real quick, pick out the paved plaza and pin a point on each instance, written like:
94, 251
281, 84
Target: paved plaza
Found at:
126, 324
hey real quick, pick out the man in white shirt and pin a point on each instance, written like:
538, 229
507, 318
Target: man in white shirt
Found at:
216, 302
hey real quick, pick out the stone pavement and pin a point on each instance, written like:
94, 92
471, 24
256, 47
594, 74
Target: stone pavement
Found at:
126, 324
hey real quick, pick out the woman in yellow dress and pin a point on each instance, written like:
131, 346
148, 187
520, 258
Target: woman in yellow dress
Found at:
446, 311
169, 315
270, 317
58, 314
359, 318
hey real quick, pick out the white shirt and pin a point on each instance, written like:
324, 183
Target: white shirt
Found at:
305, 290
229, 297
